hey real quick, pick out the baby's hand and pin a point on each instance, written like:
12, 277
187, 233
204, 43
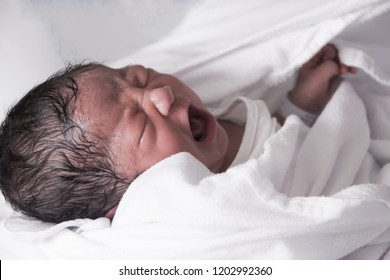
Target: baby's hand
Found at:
318, 79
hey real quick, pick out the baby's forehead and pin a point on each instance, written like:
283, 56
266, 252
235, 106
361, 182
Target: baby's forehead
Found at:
97, 71
98, 78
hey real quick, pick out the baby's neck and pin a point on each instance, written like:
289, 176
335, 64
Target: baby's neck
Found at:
235, 133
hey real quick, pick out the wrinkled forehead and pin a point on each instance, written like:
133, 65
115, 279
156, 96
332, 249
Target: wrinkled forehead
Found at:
97, 82
96, 74
96, 88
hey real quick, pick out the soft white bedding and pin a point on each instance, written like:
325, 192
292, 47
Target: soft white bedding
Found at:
264, 43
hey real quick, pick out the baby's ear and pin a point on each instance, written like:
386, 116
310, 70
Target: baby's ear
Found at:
111, 213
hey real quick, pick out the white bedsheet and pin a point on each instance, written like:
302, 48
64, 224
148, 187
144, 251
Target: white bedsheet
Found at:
246, 61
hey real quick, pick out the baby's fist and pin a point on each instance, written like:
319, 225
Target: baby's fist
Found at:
318, 79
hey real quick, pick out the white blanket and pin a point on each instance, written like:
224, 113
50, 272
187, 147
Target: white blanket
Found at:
315, 193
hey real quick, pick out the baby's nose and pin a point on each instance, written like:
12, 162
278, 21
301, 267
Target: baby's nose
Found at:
162, 98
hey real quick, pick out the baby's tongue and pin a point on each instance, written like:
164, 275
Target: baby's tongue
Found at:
197, 128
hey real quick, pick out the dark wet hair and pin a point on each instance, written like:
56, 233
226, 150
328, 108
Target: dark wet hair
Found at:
50, 167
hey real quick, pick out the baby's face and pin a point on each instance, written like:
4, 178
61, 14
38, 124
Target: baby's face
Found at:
147, 116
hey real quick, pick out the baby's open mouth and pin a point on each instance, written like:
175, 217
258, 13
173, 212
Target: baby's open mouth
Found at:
198, 123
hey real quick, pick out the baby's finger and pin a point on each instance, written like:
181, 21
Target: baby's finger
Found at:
330, 53
325, 72
348, 69
353, 70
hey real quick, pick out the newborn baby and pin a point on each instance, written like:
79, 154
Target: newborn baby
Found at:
73, 145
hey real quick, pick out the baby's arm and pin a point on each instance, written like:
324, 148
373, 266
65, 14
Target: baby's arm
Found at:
317, 81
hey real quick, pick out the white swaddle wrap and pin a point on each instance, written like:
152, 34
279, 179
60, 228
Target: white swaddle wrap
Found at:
315, 193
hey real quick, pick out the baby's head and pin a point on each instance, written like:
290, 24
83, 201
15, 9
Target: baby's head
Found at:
72, 145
